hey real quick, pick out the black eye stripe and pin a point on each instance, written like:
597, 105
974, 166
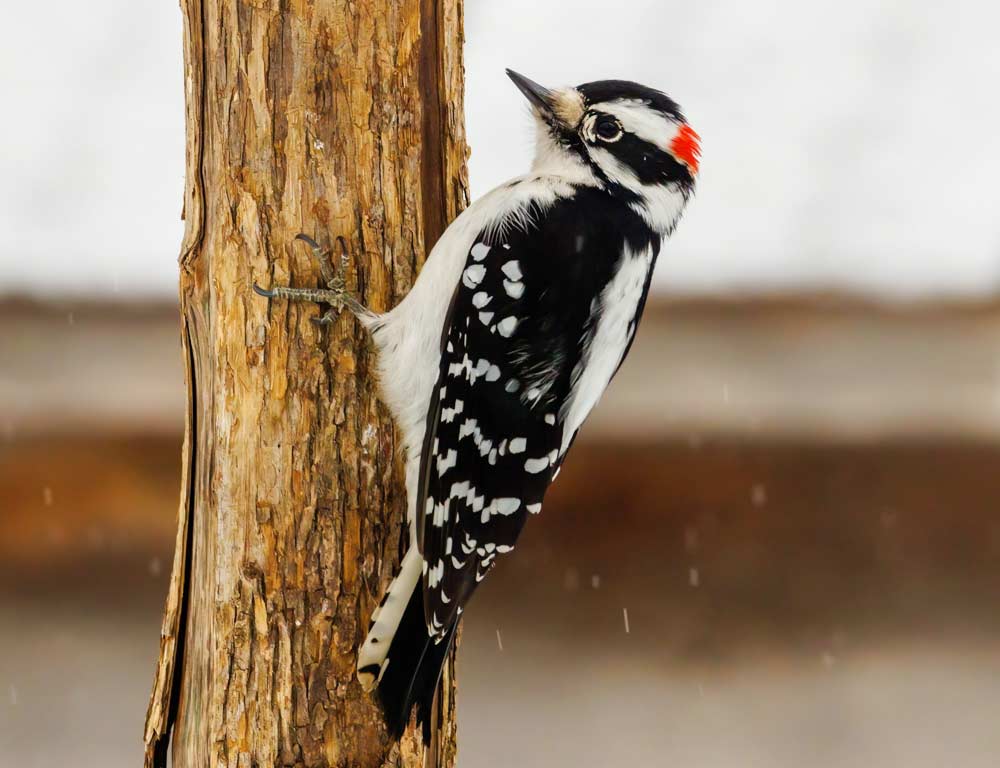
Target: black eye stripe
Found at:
649, 163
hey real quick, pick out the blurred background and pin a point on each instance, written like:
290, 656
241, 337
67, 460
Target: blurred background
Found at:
778, 540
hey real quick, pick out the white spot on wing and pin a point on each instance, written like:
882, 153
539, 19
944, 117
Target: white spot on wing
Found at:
467, 428
534, 466
514, 289
444, 463
480, 251
507, 326
506, 506
473, 275
434, 574
440, 514
448, 414
512, 269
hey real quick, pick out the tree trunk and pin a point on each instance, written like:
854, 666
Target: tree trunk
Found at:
330, 117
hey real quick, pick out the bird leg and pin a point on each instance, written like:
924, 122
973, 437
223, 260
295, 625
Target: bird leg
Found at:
335, 294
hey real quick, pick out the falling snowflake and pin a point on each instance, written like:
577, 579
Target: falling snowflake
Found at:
694, 579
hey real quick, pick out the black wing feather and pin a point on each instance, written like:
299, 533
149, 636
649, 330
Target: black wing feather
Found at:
514, 336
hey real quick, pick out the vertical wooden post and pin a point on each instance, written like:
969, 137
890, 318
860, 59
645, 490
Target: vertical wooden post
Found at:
332, 117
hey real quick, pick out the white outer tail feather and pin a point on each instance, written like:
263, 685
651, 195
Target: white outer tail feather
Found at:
386, 618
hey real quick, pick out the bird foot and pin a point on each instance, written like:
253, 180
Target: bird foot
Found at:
335, 294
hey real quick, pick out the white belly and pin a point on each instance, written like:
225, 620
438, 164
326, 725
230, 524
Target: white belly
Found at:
619, 302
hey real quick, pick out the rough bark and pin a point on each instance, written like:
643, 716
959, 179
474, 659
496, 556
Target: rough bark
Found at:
332, 118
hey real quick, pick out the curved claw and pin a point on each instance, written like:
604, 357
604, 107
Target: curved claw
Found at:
322, 256
309, 241
343, 246
266, 293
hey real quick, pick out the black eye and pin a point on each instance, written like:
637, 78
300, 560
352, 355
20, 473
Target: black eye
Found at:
607, 128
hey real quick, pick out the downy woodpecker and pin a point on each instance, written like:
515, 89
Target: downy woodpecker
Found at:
521, 316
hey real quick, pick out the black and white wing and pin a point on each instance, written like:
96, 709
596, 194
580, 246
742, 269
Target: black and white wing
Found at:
512, 350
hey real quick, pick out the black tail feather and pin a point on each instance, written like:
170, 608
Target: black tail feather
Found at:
413, 669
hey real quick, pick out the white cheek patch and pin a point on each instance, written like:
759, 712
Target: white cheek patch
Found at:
615, 169
660, 205
648, 124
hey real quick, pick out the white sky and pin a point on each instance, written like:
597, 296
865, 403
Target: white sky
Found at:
847, 144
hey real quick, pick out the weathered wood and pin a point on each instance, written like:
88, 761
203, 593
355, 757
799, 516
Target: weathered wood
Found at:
332, 118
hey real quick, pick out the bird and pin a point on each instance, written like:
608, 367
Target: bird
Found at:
523, 313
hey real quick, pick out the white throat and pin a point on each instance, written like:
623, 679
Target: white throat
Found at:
551, 159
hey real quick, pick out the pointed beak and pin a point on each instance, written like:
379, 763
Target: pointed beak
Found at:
540, 97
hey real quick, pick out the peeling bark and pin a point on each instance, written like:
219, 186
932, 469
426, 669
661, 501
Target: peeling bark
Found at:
332, 118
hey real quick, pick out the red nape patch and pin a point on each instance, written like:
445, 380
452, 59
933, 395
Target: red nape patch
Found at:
686, 147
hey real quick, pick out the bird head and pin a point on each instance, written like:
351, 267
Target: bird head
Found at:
633, 139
